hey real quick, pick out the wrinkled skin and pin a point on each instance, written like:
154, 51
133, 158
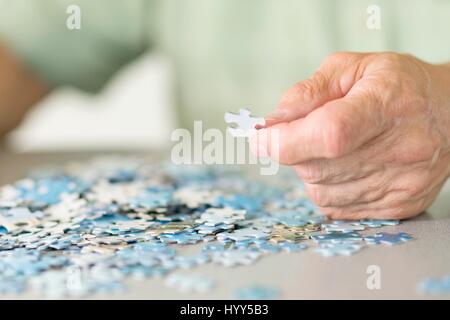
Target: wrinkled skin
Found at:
369, 133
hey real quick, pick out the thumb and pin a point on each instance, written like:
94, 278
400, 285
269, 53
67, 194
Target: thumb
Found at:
329, 82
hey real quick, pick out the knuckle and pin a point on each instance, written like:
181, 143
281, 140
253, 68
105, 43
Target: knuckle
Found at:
287, 96
338, 56
308, 88
335, 137
399, 65
391, 59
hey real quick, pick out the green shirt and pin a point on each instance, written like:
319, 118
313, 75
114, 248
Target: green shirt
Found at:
227, 53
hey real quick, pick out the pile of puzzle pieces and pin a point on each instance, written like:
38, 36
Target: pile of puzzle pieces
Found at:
85, 228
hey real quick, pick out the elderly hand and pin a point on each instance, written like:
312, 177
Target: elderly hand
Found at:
368, 133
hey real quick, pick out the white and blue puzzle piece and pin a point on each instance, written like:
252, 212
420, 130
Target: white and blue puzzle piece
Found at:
338, 249
336, 237
343, 227
190, 283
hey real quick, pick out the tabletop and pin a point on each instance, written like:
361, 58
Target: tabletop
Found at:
301, 275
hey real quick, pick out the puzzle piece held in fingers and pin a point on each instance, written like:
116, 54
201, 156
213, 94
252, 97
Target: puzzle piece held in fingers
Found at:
242, 124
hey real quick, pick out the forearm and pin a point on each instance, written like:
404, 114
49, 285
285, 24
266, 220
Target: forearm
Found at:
19, 91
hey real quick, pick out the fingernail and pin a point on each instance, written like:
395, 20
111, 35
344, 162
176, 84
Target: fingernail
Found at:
279, 114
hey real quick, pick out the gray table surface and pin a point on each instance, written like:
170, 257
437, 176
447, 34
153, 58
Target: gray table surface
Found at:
302, 275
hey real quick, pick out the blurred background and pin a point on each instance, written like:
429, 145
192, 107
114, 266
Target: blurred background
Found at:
135, 111
132, 71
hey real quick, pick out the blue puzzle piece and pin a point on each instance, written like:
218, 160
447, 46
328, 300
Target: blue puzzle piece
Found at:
336, 237
378, 223
237, 201
268, 247
122, 176
256, 293
181, 238
338, 249
435, 286
292, 247
290, 218
152, 199
13, 285
48, 191
388, 238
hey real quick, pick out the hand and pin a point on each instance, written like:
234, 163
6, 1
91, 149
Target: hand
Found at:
368, 133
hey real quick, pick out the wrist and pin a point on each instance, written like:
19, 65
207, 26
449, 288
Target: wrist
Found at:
441, 83
439, 76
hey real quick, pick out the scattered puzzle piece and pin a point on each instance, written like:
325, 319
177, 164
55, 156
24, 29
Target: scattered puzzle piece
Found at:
343, 227
190, 283
338, 249
378, 223
435, 286
235, 257
16, 218
337, 237
256, 293
388, 238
